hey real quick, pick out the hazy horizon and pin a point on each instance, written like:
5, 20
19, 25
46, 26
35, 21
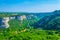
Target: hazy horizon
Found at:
29, 5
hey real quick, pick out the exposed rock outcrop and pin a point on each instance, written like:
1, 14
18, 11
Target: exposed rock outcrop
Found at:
4, 22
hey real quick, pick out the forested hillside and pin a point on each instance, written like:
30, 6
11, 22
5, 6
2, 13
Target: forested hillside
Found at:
49, 22
40, 27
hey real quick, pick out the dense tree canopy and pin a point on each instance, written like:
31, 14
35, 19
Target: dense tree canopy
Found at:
35, 29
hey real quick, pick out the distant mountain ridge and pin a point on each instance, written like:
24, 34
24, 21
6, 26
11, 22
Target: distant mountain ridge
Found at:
45, 18
44, 22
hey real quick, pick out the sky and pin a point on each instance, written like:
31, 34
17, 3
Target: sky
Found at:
29, 5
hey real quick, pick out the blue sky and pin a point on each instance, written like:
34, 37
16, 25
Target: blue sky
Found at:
29, 5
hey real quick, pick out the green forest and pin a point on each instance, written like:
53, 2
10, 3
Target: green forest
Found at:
45, 28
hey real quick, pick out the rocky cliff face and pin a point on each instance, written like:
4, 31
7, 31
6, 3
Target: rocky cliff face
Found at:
4, 21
